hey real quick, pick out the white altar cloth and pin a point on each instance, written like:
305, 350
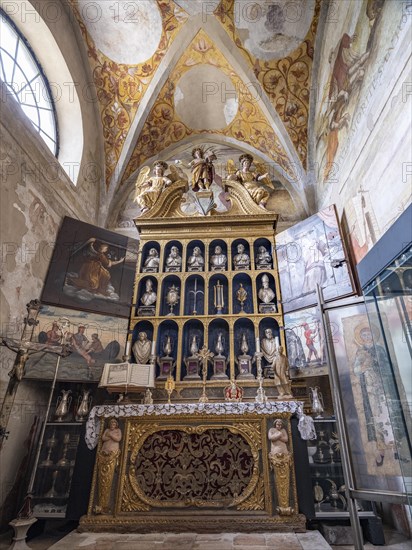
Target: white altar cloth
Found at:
122, 411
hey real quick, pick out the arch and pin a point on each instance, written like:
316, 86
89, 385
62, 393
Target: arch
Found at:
62, 83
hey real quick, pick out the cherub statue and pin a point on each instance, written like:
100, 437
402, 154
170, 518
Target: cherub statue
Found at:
250, 179
148, 188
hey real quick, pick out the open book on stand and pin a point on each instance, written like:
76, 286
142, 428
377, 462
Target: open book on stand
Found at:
127, 377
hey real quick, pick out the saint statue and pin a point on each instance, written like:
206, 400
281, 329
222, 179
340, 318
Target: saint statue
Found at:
141, 349
174, 260
148, 189
265, 293
263, 258
151, 264
241, 260
219, 260
269, 346
250, 180
149, 296
202, 169
278, 438
107, 461
196, 261
280, 368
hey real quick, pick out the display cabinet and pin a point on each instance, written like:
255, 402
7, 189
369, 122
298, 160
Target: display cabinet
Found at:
58, 449
215, 284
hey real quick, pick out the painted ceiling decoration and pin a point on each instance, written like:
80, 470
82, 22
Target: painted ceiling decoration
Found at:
266, 32
201, 68
128, 44
124, 34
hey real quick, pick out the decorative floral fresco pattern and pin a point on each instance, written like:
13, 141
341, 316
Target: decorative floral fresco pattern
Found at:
163, 128
120, 87
286, 81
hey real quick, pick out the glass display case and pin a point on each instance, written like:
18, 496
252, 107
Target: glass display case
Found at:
388, 299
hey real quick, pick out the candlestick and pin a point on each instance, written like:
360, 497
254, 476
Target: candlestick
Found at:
257, 345
128, 347
277, 342
153, 351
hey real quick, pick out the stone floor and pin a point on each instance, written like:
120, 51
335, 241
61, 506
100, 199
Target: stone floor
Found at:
311, 540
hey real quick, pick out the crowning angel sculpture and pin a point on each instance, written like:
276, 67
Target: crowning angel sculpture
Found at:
148, 188
250, 179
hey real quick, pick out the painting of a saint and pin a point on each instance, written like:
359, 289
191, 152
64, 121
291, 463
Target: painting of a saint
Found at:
91, 269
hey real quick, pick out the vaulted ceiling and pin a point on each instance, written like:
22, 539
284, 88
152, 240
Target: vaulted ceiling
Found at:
232, 74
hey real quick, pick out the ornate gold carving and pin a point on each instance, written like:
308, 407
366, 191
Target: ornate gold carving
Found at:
256, 501
196, 478
281, 464
120, 88
106, 464
130, 503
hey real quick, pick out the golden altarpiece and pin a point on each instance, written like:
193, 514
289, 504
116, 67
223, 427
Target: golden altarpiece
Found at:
218, 454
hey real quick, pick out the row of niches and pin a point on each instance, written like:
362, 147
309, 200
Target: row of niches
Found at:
233, 345
213, 294
218, 255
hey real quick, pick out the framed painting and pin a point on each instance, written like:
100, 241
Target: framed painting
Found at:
376, 432
305, 343
91, 269
93, 340
312, 253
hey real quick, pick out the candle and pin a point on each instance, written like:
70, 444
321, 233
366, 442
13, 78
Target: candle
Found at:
128, 346
153, 347
257, 345
277, 342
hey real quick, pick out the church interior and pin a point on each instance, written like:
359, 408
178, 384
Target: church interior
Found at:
206, 274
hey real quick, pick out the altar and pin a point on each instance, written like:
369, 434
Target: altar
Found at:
193, 467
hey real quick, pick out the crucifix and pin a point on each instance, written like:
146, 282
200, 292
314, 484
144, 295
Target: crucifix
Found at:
206, 356
23, 348
195, 292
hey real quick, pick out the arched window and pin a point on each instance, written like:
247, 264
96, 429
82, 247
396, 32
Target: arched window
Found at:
24, 78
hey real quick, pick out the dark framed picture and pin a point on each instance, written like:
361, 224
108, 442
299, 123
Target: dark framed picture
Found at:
91, 269
305, 343
313, 253
93, 340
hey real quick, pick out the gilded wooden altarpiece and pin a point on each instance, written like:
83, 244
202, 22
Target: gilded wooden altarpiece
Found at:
196, 472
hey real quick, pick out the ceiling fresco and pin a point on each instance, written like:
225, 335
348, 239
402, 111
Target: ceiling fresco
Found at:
163, 127
272, 42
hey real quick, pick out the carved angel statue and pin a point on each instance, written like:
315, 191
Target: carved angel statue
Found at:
148, 188
202, 168
250, 178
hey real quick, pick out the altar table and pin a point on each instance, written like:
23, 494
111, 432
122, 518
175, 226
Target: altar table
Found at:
192, 467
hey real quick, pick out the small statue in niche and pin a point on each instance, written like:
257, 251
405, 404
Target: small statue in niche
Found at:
269, 345
196, 261
241, 260
148, 300
250, 179
149, 296
174, 260
280, 461
280, 368
219, 260
266, 295
148, 188
141, 349
107, 461
151, 264
263, 258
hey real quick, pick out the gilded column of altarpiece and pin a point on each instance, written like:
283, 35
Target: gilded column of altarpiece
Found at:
203, 467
